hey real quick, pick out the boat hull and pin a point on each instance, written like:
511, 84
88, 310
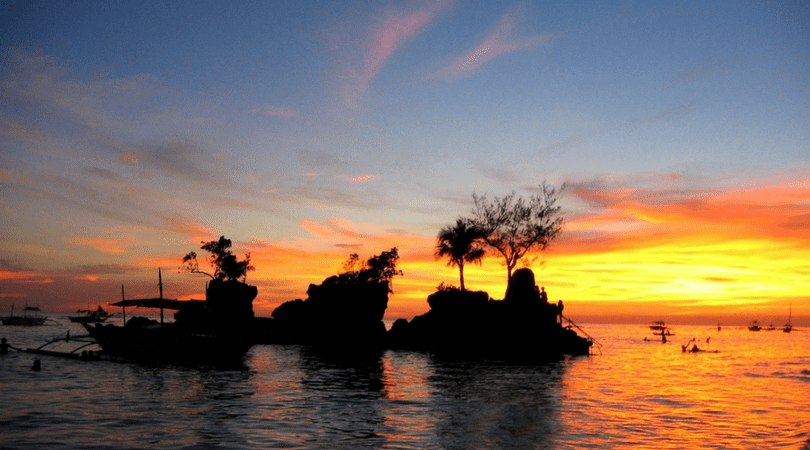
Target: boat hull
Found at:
23, 321
169, 344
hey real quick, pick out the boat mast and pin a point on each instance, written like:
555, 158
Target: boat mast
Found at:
123, 308
160, 283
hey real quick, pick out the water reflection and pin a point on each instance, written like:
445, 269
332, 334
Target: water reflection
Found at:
344, 391
494, 404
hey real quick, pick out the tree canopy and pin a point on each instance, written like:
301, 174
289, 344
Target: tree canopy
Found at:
512, 225
224, 262
382, 267
461, 243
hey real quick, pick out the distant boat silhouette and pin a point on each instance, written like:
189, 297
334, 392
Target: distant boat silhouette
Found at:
788, 327
658, 325
754, 326
25, 319
91, 316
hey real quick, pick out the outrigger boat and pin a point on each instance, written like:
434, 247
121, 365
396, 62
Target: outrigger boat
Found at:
25, 319
213, 331
98, 315
658, 326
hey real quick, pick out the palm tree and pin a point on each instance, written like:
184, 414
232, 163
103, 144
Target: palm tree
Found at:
460, 243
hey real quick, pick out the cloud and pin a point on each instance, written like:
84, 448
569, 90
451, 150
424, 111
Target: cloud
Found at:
106, 245
382, 37
501, 41
505, 175
648, 209
362, 178
271, 110
684, 109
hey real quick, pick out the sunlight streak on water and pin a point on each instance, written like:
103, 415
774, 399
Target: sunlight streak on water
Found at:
752, 393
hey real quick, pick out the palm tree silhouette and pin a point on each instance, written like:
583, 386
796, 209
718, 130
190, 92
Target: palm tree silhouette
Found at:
461, 243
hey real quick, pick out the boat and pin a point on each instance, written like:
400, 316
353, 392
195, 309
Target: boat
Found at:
91, 316
214, 331
788, 326
658, 326
754, 326
665, 332
26, 319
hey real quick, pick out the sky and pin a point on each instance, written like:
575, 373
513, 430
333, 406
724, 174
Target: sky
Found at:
130, 132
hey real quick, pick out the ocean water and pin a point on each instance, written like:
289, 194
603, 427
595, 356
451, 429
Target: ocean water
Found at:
751, 390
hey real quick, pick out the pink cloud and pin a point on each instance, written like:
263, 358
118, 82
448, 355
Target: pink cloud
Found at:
384, 36
393, 30
499, 42
363, 178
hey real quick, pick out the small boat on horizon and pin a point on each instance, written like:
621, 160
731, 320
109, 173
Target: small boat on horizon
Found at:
98, 315
754, 326
25, 320
658, 325
788, 326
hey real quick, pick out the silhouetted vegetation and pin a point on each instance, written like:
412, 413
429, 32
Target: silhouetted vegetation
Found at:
471, 324
345, 310
461, 243
224, 262
512, 226
382, 267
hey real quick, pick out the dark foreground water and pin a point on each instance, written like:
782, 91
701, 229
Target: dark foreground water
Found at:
754, 393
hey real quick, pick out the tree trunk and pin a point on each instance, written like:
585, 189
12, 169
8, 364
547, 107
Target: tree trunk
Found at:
461, 275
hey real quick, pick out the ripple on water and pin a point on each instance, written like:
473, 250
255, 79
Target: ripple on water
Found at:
637, 395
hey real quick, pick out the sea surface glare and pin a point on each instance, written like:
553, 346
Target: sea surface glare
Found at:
753, 393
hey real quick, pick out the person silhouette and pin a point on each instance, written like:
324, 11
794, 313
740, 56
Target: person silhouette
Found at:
4, 346
543, 295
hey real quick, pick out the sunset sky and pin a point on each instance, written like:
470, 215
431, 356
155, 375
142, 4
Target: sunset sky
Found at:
306, 131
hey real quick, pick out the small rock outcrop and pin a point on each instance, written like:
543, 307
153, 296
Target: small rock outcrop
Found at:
228, 306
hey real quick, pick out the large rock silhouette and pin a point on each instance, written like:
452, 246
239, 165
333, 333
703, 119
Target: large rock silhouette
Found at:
467, 323
337, 312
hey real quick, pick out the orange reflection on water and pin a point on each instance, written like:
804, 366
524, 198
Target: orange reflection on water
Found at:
742, 391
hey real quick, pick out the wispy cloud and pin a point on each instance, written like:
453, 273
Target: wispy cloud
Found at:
383, 36
362, 178
684, 109
106, 245
271, 110
672, 210
501, 41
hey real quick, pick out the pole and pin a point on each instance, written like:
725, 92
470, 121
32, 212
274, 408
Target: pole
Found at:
160, 283
124, 308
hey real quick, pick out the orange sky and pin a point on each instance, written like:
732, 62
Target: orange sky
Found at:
626, 254
681, 130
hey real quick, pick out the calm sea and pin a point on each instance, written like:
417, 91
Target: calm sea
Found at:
754, 392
